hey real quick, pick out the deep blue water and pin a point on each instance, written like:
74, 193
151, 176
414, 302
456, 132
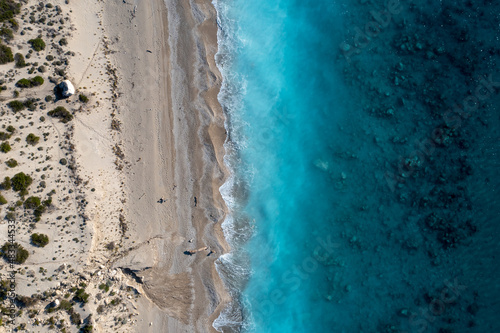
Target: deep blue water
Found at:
321, 243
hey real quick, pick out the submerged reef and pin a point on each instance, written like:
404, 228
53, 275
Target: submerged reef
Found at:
430, 76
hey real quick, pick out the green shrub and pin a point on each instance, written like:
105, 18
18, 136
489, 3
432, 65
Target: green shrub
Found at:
61, 113
6, 33
11, 129
30, 104
37, 81
63, 42
32, 203
10, 216
5, 147
16, 106
5, 136
75, 318
14, 24
4, 289
9, 8
47, 202
63, 161
6, 184
14, 252
21, 182
49, 57
39, 211
20, 62
5, 54
81, 296
29, 83
3, 201
37, 44
23, 83
104, 287
87, 328
39, 240
60, 71
12, 163
83, 98
32, 139
28, 301
65, 305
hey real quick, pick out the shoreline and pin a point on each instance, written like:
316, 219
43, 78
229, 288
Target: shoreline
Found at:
187, 129
119, 197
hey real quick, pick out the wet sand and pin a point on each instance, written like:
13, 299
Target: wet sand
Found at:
172, 132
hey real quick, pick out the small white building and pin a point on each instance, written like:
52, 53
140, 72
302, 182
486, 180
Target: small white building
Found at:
66, 88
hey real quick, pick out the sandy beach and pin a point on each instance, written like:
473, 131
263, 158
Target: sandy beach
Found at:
143, 160
172, 134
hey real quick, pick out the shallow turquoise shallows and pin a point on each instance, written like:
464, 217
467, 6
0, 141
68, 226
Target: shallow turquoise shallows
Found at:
285, 99
345, 213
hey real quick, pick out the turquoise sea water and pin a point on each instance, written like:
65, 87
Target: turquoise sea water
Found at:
283, 123
321, 241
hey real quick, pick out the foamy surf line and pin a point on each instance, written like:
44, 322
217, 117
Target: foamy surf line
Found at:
231, 268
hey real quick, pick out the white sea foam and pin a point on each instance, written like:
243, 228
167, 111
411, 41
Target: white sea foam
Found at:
233, 267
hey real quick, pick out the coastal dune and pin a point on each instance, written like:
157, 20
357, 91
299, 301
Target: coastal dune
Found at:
172, 129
